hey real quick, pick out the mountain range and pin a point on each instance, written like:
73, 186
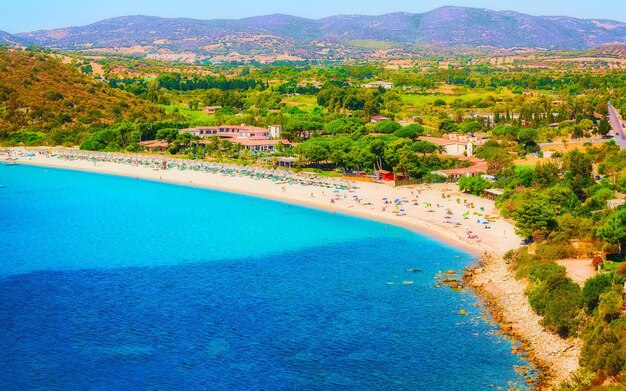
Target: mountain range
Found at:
332, 36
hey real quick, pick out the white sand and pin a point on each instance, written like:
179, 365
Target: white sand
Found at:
431, 220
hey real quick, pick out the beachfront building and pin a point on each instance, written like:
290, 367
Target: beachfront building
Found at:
384, 175
275, 131
456, 144
252, 138
229, 131
261, 145
158, 145
493, 194
451, 147
477, 167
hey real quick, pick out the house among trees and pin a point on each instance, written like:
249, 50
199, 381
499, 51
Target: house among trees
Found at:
477, 167
379, 118
211, 109
612, 204
451, 147
378, 84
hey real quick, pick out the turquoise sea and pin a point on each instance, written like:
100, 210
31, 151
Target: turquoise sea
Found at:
110, 283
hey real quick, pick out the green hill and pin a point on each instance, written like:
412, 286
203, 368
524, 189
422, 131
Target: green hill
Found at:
41, 95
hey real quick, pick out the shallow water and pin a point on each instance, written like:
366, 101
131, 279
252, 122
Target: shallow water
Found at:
114, 283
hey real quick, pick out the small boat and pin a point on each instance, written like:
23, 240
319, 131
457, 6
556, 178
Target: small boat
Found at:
407, 282
413, 270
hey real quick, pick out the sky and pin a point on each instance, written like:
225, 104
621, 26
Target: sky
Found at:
28, 15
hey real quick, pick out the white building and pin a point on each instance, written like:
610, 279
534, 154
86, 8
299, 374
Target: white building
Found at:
275, 131
452, 147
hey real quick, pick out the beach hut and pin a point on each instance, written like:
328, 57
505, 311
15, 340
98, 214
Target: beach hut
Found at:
385, 175
492, 194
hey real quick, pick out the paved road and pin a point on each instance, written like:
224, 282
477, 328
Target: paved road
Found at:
617, 128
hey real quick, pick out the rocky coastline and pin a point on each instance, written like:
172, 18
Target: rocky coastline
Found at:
505, 299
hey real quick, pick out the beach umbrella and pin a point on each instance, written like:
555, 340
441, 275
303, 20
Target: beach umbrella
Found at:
448, 217
401, 210
485, 222
385, 199
335, 191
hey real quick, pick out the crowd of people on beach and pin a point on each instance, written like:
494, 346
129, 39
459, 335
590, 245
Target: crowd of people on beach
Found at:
279, 176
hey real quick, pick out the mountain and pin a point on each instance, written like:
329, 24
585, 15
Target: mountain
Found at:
272, 34
40, 92
10, 39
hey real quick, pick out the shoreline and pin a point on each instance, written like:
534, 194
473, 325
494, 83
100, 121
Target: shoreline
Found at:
505, 299
417, 218
492, 282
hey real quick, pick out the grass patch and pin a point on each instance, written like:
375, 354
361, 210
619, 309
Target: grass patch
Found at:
372, 44
309, 101
195, 117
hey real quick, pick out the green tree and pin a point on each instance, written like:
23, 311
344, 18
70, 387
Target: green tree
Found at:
614, 229
535, 217
448, 125
546, 174
610, 307
594, 287
387, 127
578, 168
474, 185
315, 150
604, 127
412, 131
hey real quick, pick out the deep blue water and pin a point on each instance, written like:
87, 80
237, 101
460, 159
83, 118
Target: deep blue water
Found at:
109, 283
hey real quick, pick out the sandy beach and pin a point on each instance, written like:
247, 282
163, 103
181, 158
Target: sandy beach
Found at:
440, 211
459, 218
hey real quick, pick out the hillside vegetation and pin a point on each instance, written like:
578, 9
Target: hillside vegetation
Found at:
42, 97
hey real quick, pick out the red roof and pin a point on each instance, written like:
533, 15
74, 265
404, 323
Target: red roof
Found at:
438, 140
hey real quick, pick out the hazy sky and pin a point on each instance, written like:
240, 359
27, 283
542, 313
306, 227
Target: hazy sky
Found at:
27, 15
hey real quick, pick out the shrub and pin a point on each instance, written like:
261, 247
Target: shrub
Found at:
592, 290
601, 350
545, 271
556, 297
610, 307
556, 250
